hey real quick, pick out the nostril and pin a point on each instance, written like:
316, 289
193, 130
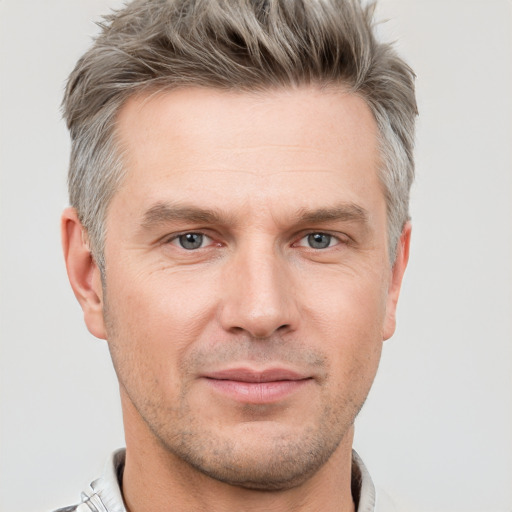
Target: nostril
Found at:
268, 333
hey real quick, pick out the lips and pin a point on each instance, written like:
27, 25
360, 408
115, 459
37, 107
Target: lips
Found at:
256, 387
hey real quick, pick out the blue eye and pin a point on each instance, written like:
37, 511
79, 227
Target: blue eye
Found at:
191, 241
319, 240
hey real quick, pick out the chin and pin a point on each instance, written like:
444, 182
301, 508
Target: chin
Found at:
260, 460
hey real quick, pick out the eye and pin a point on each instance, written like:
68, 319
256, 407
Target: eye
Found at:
318, 241
191, 241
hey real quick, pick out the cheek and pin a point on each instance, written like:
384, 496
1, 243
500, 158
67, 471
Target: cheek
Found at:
152, 322
164, 302
348, 314
347, 302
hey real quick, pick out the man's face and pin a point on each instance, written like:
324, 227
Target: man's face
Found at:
248, 287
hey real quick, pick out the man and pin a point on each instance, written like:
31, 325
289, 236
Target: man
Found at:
239, 183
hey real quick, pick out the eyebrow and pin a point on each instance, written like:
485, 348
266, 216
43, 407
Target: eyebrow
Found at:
164, 212
346, 212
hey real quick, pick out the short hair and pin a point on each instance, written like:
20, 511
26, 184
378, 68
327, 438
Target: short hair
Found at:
240, 45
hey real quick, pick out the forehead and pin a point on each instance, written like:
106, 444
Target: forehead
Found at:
288, 145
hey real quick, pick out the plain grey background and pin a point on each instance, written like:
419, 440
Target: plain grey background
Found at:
437, 427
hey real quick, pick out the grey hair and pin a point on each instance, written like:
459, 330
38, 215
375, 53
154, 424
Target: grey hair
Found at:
242, 45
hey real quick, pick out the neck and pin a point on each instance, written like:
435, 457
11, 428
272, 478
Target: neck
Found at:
155, 479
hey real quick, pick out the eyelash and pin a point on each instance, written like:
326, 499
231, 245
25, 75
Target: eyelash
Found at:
310, 240
177, 240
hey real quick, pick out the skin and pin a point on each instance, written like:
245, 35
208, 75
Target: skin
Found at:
254, 175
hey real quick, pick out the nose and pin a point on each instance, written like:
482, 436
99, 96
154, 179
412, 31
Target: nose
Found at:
258, 294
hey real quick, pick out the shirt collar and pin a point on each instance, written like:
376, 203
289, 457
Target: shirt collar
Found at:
104, 494
363, 489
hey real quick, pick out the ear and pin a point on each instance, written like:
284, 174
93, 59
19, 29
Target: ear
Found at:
397, 274
83, 273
